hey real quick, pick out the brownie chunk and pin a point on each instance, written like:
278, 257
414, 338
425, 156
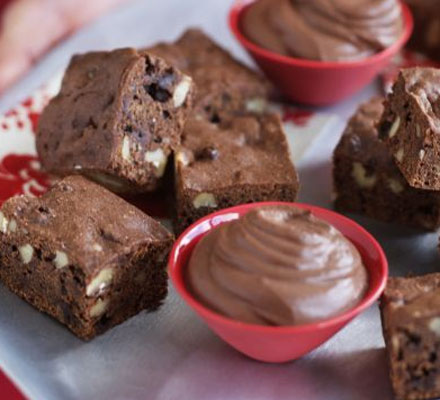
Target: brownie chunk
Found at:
243, 159
83, 255
224, 84
410, 126
426, 34
117, 118
410, 309
367, 181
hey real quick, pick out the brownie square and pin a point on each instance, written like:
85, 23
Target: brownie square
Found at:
410, 310
83, 255
410, 126
426, 34
242, 159
224, 85
117, 118
366, 180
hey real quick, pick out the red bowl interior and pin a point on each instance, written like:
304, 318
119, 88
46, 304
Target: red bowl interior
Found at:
270, 343
316, 82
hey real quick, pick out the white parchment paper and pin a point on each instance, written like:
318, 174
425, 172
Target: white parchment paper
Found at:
171, 354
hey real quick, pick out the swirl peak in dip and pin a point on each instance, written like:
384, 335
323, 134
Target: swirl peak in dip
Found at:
277, 265
325, 30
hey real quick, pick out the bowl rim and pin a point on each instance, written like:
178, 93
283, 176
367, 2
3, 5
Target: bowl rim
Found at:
235, 14
176, 273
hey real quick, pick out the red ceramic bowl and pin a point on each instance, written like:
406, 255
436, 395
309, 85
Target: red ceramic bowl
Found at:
316, 82
271, 343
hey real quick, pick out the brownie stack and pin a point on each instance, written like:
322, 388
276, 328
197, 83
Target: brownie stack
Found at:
387, 166
121, 120
232, 151
386, 161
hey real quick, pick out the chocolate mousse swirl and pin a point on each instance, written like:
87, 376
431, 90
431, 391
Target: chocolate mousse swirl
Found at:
326, 30
277, 266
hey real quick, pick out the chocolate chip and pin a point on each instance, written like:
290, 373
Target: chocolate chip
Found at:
384, 128
215, 119
68, 315
207, 153
43, 210
49, 257
92, 123
149, 67
109, 236
157, 92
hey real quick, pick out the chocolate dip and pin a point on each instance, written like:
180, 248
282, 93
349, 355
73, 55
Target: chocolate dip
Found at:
326, 30
277, 265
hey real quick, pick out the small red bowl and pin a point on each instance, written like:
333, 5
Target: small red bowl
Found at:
316, 82
278, 343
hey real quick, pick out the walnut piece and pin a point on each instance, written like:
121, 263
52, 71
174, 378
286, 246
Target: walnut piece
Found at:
97, 247
182, 158
395, 185
394, 127
100, 282
125, 149
61, 260
3, 223
434, 325
204, 200
395, 343
399, 155
181, 91
359, 174
99, 308
26, 253
418, 131
158, 159
256, 105
12, 225
113, 183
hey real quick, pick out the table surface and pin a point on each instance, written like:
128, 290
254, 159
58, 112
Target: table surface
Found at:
197, 364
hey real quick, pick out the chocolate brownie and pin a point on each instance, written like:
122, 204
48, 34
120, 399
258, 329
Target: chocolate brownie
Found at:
83, 255
426, 34
410, 310
242, 159
223, 84
367, 181
116, 119
410, 126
